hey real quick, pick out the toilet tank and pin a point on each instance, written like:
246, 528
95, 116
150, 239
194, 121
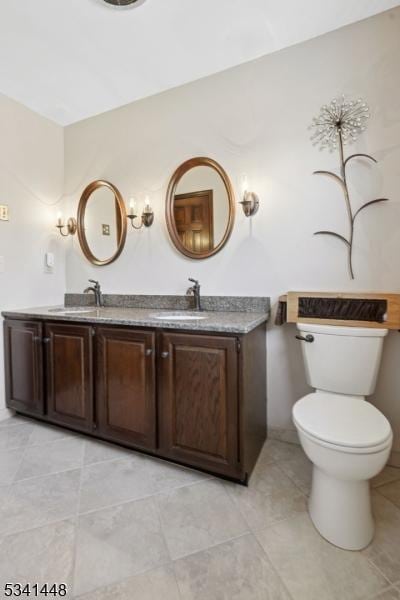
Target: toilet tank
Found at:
343, 360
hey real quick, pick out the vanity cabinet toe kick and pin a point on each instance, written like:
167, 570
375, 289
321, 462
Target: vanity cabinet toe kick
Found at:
193, 398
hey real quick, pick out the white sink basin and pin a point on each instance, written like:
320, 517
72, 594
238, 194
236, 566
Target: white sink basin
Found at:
71, 310
179, 316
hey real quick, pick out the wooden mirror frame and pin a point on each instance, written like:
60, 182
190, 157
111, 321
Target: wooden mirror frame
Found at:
121, 221
169, 208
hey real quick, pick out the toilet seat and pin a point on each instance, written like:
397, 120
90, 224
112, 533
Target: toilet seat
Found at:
345, 423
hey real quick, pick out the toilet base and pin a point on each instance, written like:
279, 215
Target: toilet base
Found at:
341, 510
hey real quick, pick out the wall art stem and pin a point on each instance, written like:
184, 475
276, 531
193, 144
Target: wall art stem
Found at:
341, 122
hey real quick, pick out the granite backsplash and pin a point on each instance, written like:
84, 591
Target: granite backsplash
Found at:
256, 304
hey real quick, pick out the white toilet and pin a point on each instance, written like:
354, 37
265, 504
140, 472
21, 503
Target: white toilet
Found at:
347, 439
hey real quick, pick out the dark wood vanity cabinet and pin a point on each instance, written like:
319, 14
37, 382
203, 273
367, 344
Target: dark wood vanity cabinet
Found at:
23, 354
199, 401
126, 386
69, 366
195, 398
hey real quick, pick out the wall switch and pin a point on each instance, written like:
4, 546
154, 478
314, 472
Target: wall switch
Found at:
49, 262
3, 212
49, 259
2, 264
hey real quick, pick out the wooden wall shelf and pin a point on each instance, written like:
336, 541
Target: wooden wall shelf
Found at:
391, 319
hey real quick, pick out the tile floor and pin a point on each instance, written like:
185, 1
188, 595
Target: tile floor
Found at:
114, 524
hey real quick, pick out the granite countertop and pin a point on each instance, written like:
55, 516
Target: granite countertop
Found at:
214, 321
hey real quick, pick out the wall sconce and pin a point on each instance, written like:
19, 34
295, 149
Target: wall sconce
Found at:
71, 225
250, 202
146, 218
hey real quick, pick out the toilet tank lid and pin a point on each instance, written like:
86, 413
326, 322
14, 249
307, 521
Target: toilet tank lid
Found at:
341, 420
336, 330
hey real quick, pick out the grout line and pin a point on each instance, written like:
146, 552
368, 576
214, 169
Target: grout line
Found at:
181, 558
233, 506
302, 492
24, 449
371, 562
50, 474
386, 498
379, 594
212, 546
24, 421
164, 537
384, 483
237, 503
153, 494
19, 466
46, 523
227, 541
69, 517
42, 526
78, 466
77, 517
280, 521
274, 568
172, 563
178, 587
123, 580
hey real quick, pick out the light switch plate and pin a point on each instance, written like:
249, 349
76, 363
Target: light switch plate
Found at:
3, 212
49, 258
49, 262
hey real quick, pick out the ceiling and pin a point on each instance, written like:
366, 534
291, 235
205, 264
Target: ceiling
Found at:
72, 59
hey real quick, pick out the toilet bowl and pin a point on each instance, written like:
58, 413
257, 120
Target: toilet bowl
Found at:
346, 438
348, 441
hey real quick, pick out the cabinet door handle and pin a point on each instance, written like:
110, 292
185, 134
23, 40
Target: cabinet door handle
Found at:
149, 352
46, 340
164, 354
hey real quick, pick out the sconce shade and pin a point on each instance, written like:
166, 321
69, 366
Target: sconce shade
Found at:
71, 226
250, 204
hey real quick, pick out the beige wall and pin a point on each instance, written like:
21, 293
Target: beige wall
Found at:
31, 183
254, 119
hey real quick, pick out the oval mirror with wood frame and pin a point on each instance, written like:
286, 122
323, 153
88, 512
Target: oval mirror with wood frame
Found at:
200, 208
102, 223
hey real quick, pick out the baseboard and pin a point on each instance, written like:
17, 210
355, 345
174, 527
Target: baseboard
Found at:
5, 414
394, 460
283, 435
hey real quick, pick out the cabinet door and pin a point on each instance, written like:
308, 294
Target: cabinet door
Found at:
70, 375
125, 386
23, 355
199, 401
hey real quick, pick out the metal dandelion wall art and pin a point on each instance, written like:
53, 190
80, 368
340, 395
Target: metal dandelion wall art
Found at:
338, 124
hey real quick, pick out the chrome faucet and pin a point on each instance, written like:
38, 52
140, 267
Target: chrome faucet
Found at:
96, 289
195, 291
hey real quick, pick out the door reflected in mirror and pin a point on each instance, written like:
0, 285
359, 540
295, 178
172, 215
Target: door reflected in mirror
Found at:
101, 223
200, 208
